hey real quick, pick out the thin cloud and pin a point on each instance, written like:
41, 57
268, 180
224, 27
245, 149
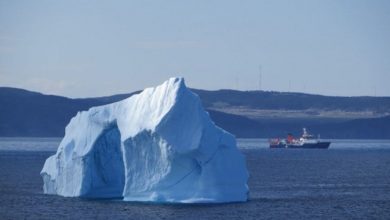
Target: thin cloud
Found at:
6, 44
48, 86
158, 45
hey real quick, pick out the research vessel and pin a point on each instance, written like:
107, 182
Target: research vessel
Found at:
305, 141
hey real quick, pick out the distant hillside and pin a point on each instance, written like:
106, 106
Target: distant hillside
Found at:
291, 101
373, 128
26, 113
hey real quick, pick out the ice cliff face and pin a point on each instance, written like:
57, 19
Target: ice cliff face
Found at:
159, 146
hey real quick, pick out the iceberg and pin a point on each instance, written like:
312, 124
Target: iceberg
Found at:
156, 146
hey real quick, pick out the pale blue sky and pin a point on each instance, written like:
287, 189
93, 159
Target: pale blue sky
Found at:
94, 48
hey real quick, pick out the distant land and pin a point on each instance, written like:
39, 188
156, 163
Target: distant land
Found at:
246, 114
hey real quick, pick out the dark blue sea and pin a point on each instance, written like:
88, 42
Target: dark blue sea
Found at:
351, 180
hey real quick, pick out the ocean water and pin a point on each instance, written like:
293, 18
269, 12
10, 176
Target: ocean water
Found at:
351, 180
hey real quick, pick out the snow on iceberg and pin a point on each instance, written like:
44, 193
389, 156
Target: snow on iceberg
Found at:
157, 146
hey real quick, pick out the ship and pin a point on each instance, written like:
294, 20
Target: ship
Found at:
307, 141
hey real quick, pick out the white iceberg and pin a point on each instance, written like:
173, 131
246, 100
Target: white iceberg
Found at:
157, 146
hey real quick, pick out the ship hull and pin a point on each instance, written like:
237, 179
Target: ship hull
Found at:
319, 145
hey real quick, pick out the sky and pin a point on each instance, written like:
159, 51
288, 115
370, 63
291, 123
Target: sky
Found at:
96, 48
